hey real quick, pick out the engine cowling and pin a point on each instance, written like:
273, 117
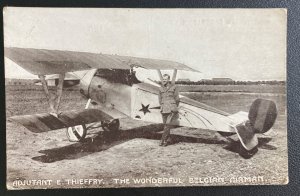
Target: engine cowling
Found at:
107, 88
91, 87
86, 81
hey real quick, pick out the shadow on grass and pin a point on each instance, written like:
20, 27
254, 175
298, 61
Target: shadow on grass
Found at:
106, 140
236, 146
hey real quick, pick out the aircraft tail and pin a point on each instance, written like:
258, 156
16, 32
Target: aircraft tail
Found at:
260, 119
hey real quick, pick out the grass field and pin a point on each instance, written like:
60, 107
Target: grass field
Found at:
278, 89
135, 154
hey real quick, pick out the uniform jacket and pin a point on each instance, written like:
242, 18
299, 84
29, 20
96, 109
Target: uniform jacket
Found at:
168, 98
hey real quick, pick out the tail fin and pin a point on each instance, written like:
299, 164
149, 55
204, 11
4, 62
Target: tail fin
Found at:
262, 115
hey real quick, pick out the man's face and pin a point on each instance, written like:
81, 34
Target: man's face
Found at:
166, 80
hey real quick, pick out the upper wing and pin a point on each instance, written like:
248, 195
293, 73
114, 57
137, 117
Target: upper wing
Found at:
44, 62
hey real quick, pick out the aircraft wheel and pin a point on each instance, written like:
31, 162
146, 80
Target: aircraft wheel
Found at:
247, 154
113, 125
76, 133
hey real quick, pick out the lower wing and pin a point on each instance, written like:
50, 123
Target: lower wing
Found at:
46, 122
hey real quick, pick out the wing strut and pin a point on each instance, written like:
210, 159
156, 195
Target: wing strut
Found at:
59, 91
173, 77
160, 75
55, 100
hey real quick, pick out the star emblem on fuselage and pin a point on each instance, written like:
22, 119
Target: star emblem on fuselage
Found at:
145, 109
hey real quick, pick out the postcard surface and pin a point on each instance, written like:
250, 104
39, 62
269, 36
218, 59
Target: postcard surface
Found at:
101, 98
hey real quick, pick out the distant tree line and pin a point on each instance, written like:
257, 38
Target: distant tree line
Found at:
212, 82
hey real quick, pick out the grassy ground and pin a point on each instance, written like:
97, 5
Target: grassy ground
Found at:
194, 158
278, 89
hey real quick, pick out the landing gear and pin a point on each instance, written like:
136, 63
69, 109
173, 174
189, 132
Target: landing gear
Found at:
76, 133
112, 126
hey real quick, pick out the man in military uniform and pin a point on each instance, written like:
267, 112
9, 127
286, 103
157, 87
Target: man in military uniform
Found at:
168, 100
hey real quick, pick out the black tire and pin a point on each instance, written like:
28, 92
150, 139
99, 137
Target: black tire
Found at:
111, 126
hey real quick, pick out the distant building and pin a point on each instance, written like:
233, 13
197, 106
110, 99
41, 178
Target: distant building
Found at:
13, 81
222, 79
52, 80
205, 80
183, 80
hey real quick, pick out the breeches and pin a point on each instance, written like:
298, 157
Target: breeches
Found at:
167, 118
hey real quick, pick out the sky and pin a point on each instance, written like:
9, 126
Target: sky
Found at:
242, 44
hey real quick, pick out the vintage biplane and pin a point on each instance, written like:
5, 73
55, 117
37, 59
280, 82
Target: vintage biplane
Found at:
110, 82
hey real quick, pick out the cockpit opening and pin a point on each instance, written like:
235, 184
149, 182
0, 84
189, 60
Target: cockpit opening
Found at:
123, 76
